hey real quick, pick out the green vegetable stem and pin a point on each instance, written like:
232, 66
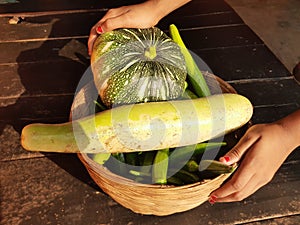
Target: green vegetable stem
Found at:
101, 158
160, 167
215, 166
194, 74
185, 153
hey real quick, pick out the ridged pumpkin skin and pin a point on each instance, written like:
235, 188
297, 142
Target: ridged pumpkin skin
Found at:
137, 65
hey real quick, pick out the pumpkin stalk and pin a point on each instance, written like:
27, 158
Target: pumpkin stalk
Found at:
151, 52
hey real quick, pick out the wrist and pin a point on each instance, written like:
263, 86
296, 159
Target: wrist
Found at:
164, 7
291, 126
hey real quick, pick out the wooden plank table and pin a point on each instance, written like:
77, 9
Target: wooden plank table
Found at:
42, 60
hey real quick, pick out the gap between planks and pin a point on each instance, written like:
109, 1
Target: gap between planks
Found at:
35, 96
269, 79
51, 13
266, 219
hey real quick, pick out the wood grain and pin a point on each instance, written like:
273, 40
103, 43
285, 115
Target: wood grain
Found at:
43, 58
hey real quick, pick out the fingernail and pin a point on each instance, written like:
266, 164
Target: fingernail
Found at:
227, 158
99, 30
212, 199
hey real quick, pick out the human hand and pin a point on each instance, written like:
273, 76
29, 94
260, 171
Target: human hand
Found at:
264, 148
143, 15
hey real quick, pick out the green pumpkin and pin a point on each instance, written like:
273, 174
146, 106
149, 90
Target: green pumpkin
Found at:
137, 65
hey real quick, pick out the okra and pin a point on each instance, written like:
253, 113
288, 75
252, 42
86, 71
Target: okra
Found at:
139, 173
131, 158
191, 166
147, 161
187, 177
160, 167
175, 181
101, 158
116, 164
143, 175
186, 152
188, 94
215, 166
119, 156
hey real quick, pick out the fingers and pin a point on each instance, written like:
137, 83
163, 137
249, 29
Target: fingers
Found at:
134, 16
91, 40
249, 188
240, 185
236, 153
103, 26
243, 184
114, 13
113, 23
236, 185
247, 179
113, 19
106, 26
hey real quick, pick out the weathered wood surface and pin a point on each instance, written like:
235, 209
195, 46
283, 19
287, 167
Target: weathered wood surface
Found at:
42, 60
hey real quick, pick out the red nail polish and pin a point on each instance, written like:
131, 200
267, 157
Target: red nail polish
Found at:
213, 197
227, 158
99, 30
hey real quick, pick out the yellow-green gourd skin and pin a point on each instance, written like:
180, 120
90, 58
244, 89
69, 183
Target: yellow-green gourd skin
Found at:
143, 127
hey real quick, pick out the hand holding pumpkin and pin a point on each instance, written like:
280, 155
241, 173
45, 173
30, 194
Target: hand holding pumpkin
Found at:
143, 15
264, 147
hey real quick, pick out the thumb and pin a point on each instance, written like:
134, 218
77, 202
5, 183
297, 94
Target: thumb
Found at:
236, 153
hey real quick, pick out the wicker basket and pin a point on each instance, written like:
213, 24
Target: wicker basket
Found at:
160, 200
